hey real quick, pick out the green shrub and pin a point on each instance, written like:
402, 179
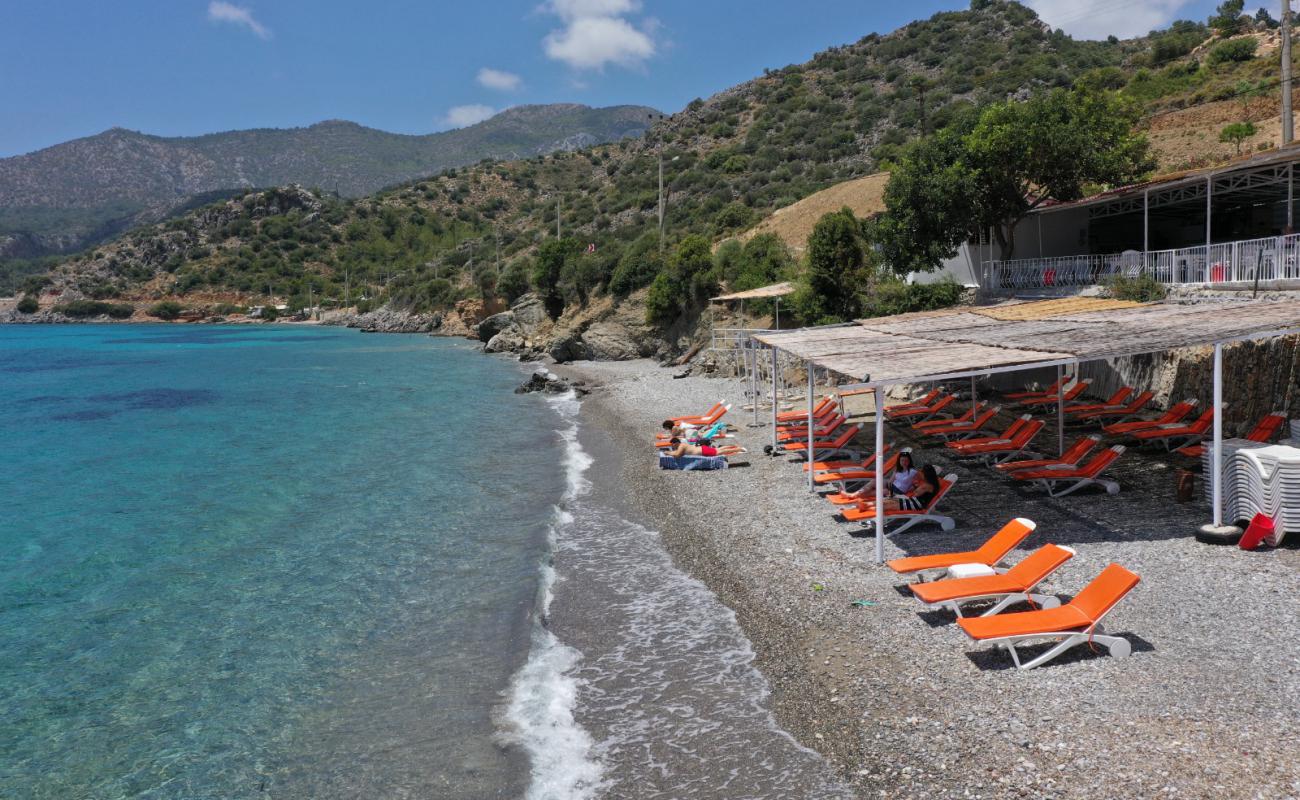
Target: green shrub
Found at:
81, 309
166, 310
1233, 50
896, 296
1139, 289
28, 305
662, 303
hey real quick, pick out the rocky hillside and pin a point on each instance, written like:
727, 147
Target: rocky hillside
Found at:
78, 193
481, 232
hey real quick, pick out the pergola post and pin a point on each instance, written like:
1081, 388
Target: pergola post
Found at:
811, 454
880, 473
773, 349
753, 380
1060, 410
974, 398
1209, 193
1290, 203
1216, 479
777, 322
1146, 222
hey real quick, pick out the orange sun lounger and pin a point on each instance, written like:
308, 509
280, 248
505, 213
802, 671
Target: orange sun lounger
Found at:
1076, 477
1174, 415
847, 476
1121, 414
1263, 432
822, 430
1070, 458
1016, 585
957, 430
1001, 449
921, 413
1115, 401
990, 554
827, 448
1176, 436
866, 512
1074, 623
1070, 394
1050, 391
927, 400
1016, 424
865, 462
711, 416
826, 404
926, 424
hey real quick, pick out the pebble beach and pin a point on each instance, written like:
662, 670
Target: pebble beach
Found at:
899, 700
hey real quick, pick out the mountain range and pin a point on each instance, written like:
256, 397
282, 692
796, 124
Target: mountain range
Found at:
66, 197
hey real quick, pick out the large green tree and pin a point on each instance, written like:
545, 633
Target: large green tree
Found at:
838, 260
991, 170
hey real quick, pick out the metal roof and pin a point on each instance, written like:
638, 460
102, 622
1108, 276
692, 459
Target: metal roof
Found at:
960, 342
775, 290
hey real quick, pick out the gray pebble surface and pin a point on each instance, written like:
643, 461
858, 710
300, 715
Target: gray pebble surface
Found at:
900, 701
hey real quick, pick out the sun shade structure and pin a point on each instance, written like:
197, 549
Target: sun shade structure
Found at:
974, 341
775, 290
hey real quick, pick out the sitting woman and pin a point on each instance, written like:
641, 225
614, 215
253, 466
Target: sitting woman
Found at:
905, 476
901, 481
704, 448
922, 494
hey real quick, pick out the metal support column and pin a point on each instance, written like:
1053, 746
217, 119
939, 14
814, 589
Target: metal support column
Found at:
1060, 409
1146, 222
811, 455
1216, 479
774, 404
880, 474
753, 381
1290, 201
974, 397
1209, 195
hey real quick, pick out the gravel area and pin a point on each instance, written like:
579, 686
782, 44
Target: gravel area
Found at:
902, 702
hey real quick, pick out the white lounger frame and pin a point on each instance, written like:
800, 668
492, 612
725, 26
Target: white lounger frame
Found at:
1004, 599
1118, 647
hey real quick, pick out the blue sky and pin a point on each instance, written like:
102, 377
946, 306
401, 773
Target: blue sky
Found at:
72, 68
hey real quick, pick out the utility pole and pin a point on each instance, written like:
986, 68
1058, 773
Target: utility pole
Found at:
557, 217
496, 236
661, 199
347, 287
1288, 124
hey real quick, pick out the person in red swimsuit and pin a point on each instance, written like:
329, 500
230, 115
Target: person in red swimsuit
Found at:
704, 448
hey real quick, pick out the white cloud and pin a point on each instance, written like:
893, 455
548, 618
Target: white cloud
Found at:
597, 33
499, 80
221, 11
1097, 19
464, 116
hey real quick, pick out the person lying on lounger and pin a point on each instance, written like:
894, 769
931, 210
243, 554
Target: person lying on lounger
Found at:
675, 429
704, 448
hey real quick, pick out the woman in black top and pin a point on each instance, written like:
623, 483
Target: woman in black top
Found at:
922, 493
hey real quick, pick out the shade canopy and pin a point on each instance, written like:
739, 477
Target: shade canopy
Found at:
962, 342
775, 290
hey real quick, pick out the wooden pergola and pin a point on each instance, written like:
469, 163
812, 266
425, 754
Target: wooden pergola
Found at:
971, 342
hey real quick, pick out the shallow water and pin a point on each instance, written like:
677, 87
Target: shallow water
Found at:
246, 560
665, 699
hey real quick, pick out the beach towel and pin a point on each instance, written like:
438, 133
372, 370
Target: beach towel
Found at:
692, 462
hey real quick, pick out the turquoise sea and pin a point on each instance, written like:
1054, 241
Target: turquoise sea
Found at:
264, 561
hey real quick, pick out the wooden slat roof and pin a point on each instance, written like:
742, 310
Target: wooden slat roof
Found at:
775, 290
972, 341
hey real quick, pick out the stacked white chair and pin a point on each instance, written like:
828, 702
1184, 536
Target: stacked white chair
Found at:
1258, 478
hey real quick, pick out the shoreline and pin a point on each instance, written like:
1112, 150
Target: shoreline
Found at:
801, 703
900, 702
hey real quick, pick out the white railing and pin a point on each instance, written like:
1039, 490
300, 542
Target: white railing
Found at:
733, 338
1274, 258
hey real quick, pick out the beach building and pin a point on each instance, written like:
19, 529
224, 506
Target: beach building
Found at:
1224, 226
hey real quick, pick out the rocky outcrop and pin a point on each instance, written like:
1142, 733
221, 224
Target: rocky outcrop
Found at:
385, 320
548, 382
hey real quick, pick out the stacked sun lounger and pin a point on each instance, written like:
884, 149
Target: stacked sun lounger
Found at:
1259, 479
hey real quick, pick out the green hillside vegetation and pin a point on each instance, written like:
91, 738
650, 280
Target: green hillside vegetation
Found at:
489, 230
